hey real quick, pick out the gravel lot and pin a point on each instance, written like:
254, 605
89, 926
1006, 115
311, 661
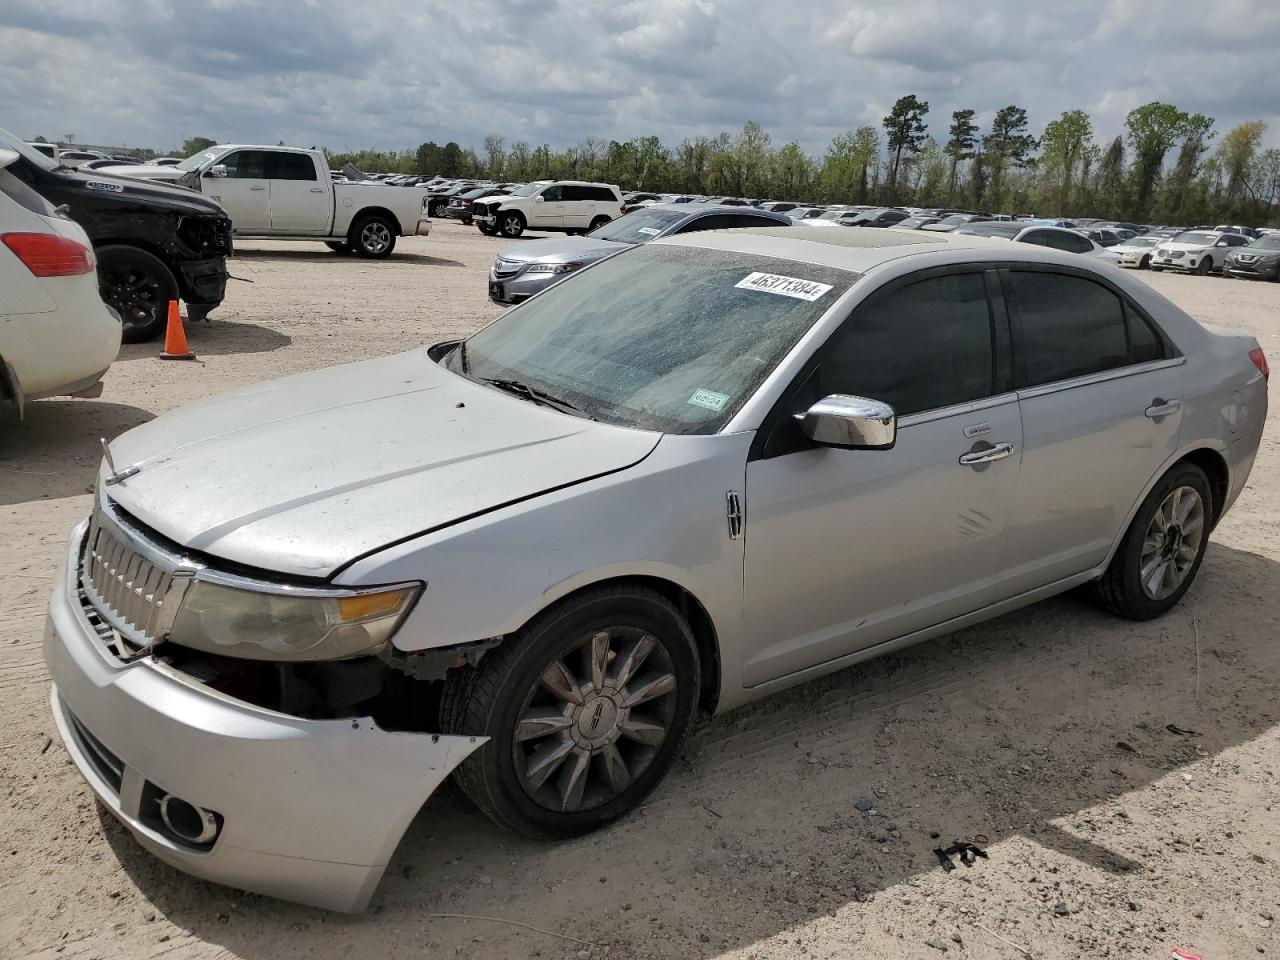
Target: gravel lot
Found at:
1045, 730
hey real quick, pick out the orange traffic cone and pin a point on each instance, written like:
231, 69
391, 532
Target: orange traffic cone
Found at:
175, 337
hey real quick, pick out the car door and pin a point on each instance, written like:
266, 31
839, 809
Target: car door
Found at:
579, 207
547, 208
300, 202
847, 549
1100, 391
1228, 243
244, 192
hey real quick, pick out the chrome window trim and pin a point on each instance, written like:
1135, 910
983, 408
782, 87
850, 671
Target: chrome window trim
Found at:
956, 410
1115, 373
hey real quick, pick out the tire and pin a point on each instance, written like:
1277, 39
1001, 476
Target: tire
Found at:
599, 222
1204, 267
1122, 589
1144, 263
139, 286
510, 223
373, 236
487, 230
599, 758
436, 209
339, 246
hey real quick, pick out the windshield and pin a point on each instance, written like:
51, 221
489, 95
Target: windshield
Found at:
662, 337
1197, 237
638, 226
956, 218
196, 160
34, 156
529, 189
1006, 230
1269, 242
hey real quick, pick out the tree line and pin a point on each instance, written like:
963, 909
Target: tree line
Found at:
1169, 166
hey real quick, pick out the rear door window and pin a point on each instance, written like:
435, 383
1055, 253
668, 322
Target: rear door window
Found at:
1068, 326
290, 166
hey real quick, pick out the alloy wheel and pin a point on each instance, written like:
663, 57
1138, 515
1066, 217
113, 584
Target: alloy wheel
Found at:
375, 237
595, 719
136, 295
1172, 542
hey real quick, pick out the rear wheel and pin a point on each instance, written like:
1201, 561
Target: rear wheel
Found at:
373, 236
585, 709
1161, 552
139, 286
436, 209
599, 222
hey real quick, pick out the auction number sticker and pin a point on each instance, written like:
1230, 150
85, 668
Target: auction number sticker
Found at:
108, 187
649, 231
709, 399
783, 286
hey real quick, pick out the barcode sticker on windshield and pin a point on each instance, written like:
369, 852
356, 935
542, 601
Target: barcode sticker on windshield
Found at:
708, 399
783, 286
648, 231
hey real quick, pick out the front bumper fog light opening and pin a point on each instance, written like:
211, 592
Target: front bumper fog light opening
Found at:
181, 820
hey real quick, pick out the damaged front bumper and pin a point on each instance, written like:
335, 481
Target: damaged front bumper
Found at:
204, 282
304, 810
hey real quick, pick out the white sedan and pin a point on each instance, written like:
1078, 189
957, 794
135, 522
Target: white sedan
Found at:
57, 338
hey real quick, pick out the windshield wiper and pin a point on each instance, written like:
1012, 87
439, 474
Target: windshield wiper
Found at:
534, 395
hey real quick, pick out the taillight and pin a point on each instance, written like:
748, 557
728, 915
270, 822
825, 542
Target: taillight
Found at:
49, 254
1260, 361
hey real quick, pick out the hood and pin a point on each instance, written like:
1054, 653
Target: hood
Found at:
106, 187
1183, 245
303, 475
1127, 246
561, 249
146, 171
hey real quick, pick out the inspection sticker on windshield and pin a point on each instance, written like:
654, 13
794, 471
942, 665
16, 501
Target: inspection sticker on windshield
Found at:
648, 231
709, 399
783, 286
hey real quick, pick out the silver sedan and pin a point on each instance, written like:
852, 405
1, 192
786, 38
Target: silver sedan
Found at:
718, 466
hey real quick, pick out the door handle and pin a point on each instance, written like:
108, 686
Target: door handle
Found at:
997, 452
317, 189
257, 187
1162, 408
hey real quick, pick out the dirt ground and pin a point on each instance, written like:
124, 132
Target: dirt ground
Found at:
800, 827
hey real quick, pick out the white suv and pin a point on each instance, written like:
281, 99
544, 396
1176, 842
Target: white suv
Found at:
570, 206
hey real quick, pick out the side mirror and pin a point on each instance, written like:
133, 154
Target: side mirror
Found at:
854, 423
539, 199
217, 170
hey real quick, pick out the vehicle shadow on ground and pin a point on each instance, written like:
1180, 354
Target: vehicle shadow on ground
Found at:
397, 256
215, 337
998, 729
34, 451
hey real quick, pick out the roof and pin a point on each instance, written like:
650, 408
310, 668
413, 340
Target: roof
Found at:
853, 248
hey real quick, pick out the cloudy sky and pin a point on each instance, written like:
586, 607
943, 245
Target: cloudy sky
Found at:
394, 73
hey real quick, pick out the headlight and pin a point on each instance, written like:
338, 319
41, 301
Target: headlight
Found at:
552, 267
290, 625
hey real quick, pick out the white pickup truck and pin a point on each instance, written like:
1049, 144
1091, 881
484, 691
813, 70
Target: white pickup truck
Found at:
287, 193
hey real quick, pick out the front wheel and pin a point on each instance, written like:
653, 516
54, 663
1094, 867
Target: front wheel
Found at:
139, 286
1161, 552
373, 236
1144, 263
585, 709
599, 222
1204, 267
511, 224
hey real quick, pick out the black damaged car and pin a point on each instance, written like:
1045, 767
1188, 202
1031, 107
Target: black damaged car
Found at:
154, 243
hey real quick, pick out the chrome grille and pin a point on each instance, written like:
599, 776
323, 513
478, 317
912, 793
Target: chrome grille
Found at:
133, 585
506, 268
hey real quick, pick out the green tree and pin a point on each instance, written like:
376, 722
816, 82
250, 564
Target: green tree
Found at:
1238, 150
495, 155
1153, 130
1064, 146
961, 146
194, 145
1183, 200
847, 163
1008, 145
792, 173
905, 129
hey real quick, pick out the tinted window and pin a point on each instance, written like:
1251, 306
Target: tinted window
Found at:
603, 194
746, 220
1072, 326
921, 347
246, 164
1235, 240
713, 222
291, 166
571, 193
553, 194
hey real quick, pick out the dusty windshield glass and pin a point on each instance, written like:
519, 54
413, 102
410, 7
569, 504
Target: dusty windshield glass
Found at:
637, 227
661, 337
31, 154
196, 160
